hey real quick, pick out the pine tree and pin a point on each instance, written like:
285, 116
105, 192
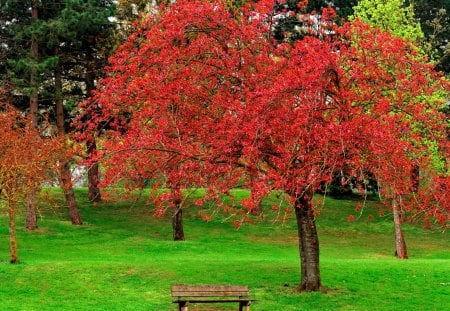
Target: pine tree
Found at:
58, 51
25, 69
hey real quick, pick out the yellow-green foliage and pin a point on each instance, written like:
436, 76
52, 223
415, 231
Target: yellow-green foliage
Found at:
390, 15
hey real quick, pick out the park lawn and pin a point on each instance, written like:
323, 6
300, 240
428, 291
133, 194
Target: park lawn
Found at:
122, 258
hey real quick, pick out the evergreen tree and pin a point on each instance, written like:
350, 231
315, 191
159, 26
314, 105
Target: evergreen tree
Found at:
24, 67
59, 50
88, 26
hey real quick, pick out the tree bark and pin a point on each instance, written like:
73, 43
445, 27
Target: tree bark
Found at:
258, 210
33, 81
14, 255
31, 219
66, 175
91, 145
31, 215
308, 243
415, 178
66, 186
177, 223
400, 244
93, 173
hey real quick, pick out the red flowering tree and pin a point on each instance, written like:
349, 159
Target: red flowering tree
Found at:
200, 98
25, 162
402, 127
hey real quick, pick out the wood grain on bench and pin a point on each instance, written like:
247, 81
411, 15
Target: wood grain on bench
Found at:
185, 294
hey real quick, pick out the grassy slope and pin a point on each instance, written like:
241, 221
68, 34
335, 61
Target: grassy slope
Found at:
124, 259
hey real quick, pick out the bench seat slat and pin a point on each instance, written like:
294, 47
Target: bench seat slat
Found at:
206, 294
186, 294
209, 290
212, 301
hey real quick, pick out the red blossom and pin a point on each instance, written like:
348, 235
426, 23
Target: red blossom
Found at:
199, 98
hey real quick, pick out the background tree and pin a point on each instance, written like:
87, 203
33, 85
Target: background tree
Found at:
291, 23
86, 28
434, 19
30, 66
397, 17
24, 68
390, 15
392, 82
72, 41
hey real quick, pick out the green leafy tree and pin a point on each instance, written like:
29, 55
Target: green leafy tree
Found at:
390, 15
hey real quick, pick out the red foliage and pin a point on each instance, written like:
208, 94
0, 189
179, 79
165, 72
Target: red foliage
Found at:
433, 202
200, 98
26, 158
396, 112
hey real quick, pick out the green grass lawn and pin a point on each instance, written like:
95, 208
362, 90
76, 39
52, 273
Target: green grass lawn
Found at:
122, 258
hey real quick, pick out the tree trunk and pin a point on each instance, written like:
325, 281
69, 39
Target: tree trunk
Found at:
66, 185
66, 175
258, 210
400, 244
415, 178
34, 97
177, 223
31, 215
308, 243
31, 219
14, 255
35, 57
93, 171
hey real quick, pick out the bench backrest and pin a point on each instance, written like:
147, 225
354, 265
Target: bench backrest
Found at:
209, 290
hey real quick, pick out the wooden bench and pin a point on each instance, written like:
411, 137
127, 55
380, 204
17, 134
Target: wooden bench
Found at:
185, 294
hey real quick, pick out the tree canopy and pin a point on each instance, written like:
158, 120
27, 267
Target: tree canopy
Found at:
197, 97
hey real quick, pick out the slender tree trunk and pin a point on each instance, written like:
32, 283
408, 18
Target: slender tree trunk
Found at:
93, 172
66, 175
14, 254
31, 218
308, 243
33, 78
400, 244
66, 186
258, 209
91, 145
415, 178
177, 223
31, 215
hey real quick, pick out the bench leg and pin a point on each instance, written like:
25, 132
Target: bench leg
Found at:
244, 306
183, 306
